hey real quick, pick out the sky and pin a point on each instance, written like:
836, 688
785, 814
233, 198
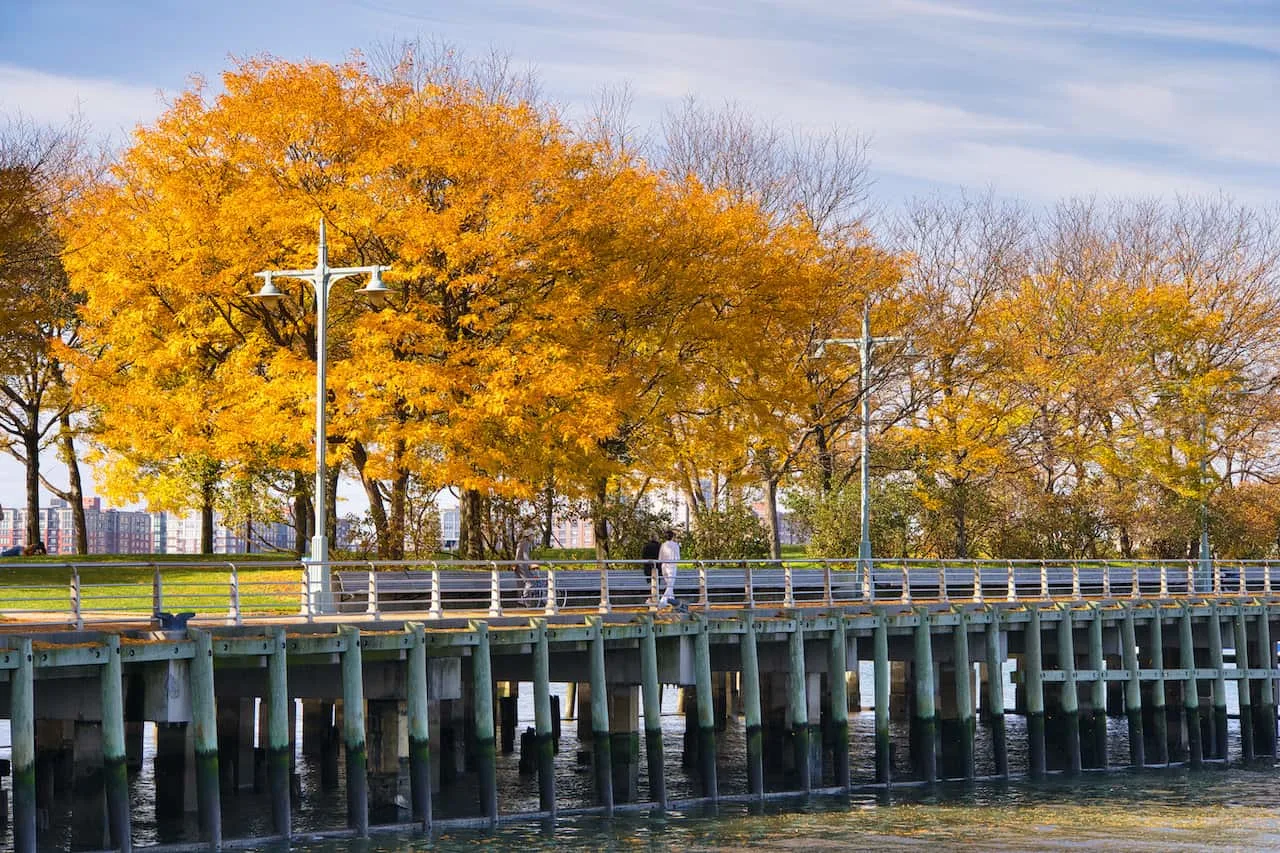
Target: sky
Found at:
1035, 100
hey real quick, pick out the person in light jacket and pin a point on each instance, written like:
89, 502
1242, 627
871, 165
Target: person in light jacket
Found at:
669, 558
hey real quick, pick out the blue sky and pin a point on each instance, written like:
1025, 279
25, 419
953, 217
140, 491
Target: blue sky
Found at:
1037, 100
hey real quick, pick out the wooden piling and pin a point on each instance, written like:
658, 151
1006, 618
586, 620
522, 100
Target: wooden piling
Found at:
279, 755
995, 694
22, 739
115, 773
485, 746
353, 732
926, 720
652, 697
602, 743
880, 653
543, 744
1069, 698
964, 695
1132, 690
798, 707
1218, 730
1160, 715
706, 713
751, 709
1243, 691
1035, 695
1264, 740
1190, 691
204, 720
836, 670
1098, 690
418, 710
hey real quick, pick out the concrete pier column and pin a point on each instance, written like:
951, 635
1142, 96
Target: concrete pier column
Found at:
1132, 690
881, 672
751, 709
706, 719
543, 739
386, 723
1264, 739
115, 775
353, 732
1190, 690
171, 765
1241, 625
22, 734
204, 729
652, 691
798, 707
900, 686
1034, 684
277, 735
964, 697
88, 806
1218, 730
1097, 718
235, 719
1069, 701
134, 727
1160, 715
624, 741
925, 720
508, 718
839, 731
994, 697
602, 757
485, 751
317, 725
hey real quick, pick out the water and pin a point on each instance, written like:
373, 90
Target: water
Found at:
1221, 809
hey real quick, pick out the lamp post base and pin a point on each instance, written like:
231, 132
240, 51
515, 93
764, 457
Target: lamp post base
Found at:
318, 595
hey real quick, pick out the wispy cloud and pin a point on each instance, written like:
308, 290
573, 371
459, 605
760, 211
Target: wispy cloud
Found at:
110, 107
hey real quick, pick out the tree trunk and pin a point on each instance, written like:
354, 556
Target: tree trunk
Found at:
399, 504
471, 525
826, 460
771, 516
31, 447
75, 487
599, 521
331, 508
206, 517
961, 527
373, 492
549, 513
301, 515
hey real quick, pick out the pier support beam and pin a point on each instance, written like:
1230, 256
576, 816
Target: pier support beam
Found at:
1264, 739
925, 721
115, 775
798, 707
624, 741
995, 693
1190, 690
751, 709
353, 732
1218, 730
1097, 718
1243, 691
204, 722
1035, 695
836, 670
706, 714
1132, 690
279, 756
880, 665
602, 755
652, 693
964, 697
485, 746
1069, 701
543, 743
385, 725
22, 733
1159, 715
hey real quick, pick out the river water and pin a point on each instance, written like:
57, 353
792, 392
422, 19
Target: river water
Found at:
1219, 808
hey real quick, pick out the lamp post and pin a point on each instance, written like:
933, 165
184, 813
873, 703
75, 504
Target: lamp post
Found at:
321, 279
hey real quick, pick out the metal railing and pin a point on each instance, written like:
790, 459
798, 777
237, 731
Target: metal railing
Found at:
79, 594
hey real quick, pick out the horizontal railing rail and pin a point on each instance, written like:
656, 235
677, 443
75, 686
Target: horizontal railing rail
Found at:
75, 594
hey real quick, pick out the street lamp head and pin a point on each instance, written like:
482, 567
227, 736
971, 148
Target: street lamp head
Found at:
375, 291
269, 291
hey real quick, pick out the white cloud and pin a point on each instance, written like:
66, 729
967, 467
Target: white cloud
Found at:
109, 107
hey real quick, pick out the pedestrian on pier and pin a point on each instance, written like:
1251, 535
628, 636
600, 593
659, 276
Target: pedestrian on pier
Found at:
669, 557
524, 567
649, 553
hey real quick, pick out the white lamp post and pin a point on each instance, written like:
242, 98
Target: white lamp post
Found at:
321, 279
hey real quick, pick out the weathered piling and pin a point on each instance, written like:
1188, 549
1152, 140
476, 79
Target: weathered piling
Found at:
995, 693
278, 754
543, 745
706, 713
1159, 715
880, 652
485, 751
652, 695
836, 669
1243, 691
798, 707
1097, 690
204, 721
926, 721
750, 709
1190, 690
1069, 697
1035, 694
1218, 730
418, 709
353, 732
22, 734
1132, 690
115, 774
964, 696
601, 742
1264, 739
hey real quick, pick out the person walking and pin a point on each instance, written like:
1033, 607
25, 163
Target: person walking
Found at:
649, 553
524, 567
669, 557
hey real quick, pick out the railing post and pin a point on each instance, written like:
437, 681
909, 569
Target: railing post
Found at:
308, 605
495, 590
1106, 579
233, 612
77, 615
1044, 580
371, 605
1191, 577
942, 580
157, 590
788, 590
1217, 577
827, 593
655, 580
1243, 579
1075, 580
704, 594
1012, 593
1164, 579
1134, 591
1266, 577
606, 606
906, 584
552, 606
868, 586
977, 582
749, 584
437, 606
